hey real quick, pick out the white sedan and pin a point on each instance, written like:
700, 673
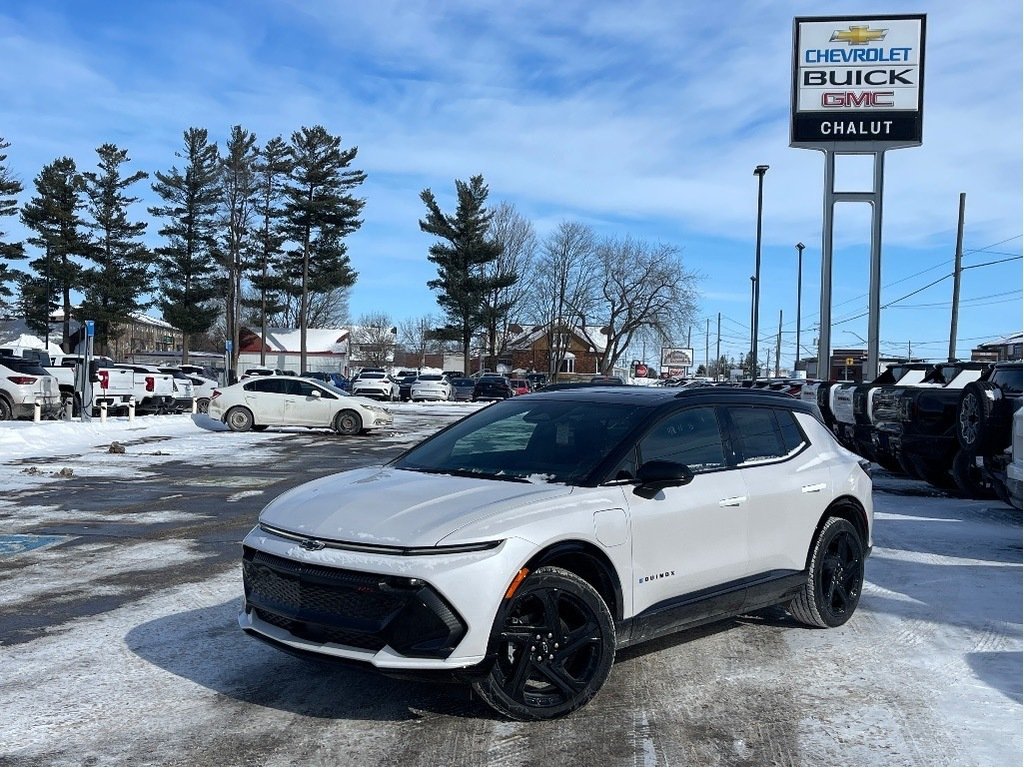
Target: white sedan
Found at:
431, 386
289, 401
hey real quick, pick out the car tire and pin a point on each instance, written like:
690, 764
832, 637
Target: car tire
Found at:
348, 423
970, 480
552, 644
6, 411
975, 426
203, 405
835, 577
239, 419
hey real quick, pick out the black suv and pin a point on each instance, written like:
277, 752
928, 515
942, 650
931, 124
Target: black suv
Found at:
492, 387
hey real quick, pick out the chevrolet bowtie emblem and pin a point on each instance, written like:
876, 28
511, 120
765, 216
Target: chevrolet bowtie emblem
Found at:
312, 544
856, 35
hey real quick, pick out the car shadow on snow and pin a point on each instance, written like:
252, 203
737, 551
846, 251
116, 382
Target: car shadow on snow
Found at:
1000, 670
207, 647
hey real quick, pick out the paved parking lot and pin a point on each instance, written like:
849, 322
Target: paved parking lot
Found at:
121, 585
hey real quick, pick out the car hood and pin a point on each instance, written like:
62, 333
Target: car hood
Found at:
396, 507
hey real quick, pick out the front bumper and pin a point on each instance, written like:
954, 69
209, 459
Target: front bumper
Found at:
395, 612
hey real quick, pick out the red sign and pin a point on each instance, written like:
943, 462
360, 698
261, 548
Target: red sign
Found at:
641, 371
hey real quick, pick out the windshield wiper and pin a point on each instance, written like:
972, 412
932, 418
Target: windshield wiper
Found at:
459, 472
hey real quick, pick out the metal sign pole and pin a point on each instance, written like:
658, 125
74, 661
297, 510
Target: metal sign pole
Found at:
825, 307
875, 287
831, 197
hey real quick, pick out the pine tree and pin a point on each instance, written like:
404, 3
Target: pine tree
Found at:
188, 285
319, 213
115, 287
53, 214
272, 167
10, 187
238, 184
462, 259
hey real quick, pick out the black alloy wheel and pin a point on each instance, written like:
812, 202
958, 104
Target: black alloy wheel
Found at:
836, 577
553, 643
6, 411
203, 405
975, 426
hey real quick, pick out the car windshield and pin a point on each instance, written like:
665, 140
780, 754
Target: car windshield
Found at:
542, 441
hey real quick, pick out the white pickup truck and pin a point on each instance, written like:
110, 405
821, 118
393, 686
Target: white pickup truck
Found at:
111, 385
154, 391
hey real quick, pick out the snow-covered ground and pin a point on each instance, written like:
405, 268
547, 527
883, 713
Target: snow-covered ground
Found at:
928, 671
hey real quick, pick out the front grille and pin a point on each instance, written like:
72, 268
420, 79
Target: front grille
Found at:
333, 605
322, 634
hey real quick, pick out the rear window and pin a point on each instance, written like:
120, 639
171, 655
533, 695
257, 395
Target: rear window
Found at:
1009, 378
23, 365
765, 433
430, 377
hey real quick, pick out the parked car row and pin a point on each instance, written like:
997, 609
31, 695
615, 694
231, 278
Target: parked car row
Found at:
949, 424
57, 382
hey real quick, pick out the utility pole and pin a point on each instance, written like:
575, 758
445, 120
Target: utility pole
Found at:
707, 343
957, 269
718, 346
778, 346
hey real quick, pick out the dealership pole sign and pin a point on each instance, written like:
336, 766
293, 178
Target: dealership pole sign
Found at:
676, 361
858, 82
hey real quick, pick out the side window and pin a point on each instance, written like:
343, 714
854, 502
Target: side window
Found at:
691, 437
760, 438
268, 386
792, 437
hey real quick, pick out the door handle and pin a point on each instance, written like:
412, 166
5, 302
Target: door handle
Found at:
733, 501
815, 488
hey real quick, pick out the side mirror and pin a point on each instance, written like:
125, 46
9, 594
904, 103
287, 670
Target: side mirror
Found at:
652, 476
315, 394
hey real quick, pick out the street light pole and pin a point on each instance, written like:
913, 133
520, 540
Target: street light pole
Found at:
759, 171
799, 280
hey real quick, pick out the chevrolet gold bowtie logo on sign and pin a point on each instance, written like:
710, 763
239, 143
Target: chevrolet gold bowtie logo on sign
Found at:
856, 35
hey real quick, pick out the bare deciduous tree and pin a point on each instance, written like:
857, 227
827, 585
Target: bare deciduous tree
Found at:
641, 287
562, 286
414, 336
374, 335
515, 235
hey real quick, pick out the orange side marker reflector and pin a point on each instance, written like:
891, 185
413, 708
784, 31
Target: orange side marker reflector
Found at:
516, 582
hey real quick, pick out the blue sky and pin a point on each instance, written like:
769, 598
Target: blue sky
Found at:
643, 119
